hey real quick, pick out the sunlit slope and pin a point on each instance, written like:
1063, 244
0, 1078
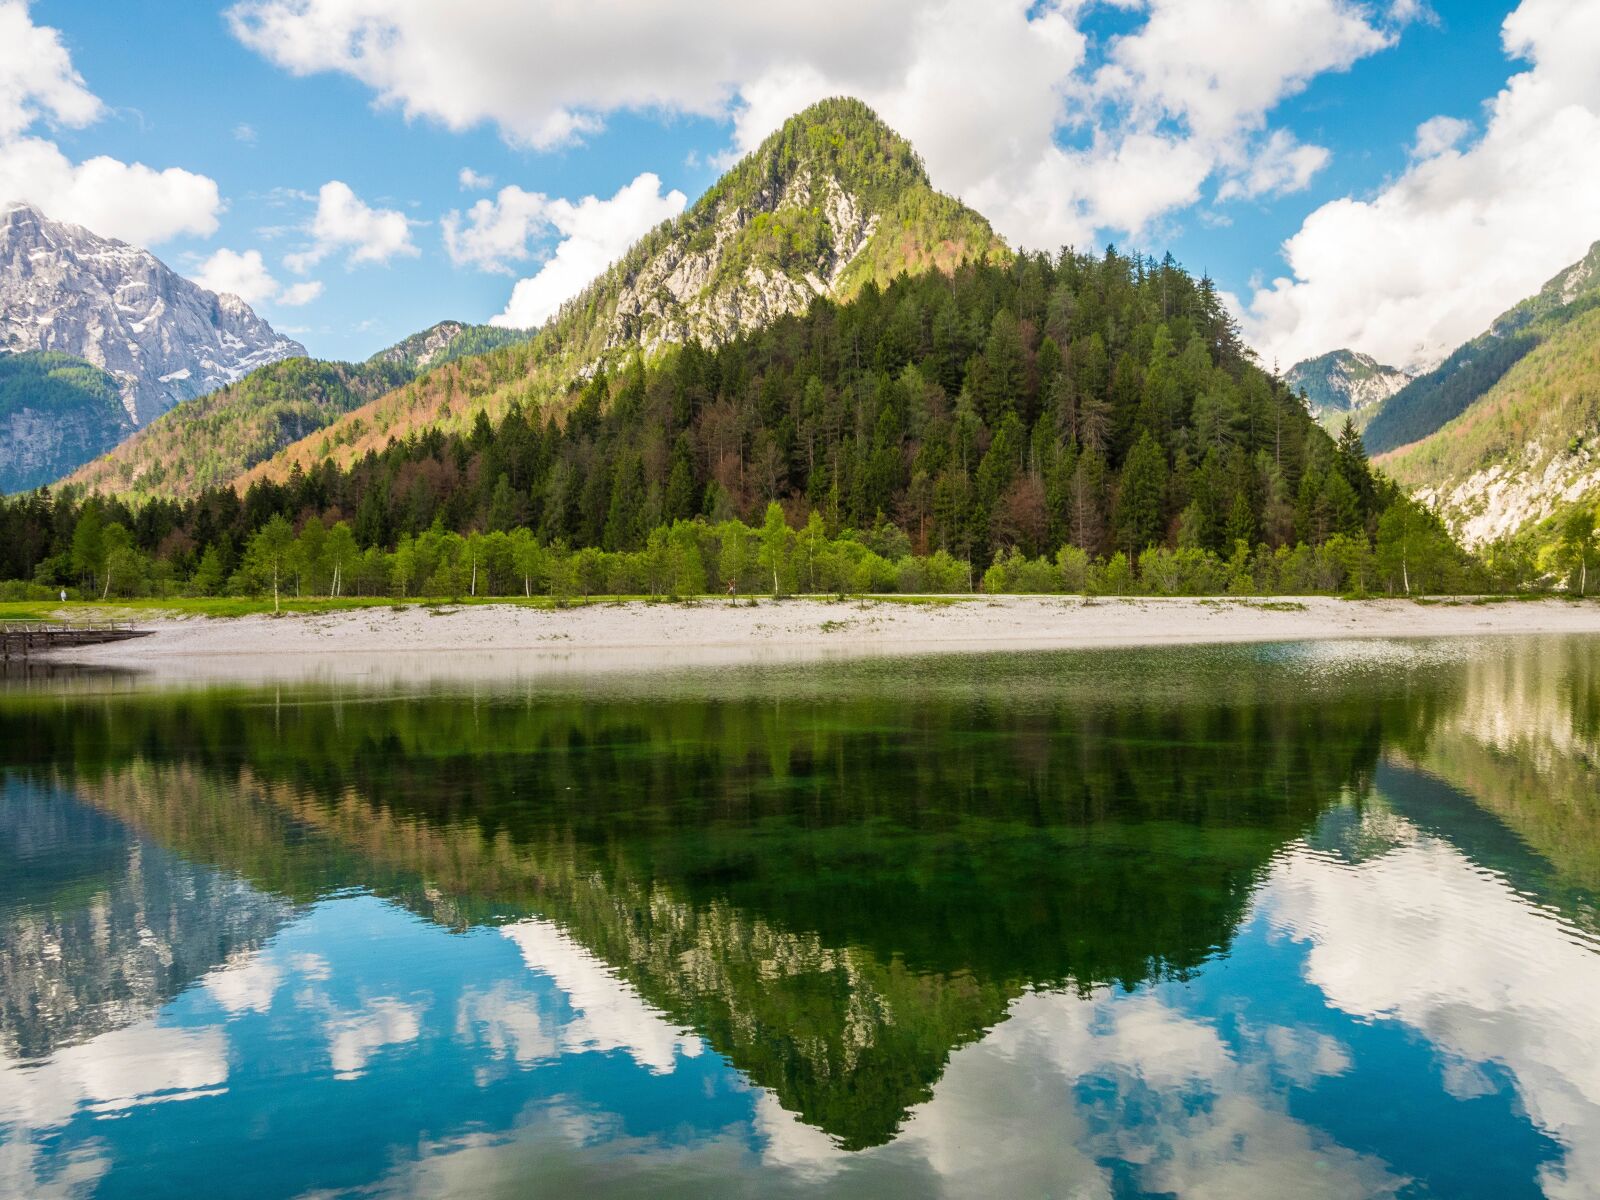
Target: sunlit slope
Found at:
211, 440
833, 200
1432, 400
1522, 451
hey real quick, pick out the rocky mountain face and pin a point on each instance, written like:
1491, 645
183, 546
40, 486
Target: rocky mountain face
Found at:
422, 349
444, 342
708, 289
1345, 383
120, 308
1526, 446
54, 409
832, 201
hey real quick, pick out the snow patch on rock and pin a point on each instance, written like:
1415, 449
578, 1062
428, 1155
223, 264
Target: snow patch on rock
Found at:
164, 338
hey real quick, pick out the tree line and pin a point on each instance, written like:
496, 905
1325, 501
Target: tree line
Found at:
1094, 409
696, 557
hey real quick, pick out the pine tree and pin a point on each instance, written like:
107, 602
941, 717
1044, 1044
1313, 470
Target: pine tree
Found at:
1139, 521
626, 510
1087, 502
1241, 527
1342, 506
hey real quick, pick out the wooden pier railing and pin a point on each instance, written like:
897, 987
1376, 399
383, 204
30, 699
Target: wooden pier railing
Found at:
22, 639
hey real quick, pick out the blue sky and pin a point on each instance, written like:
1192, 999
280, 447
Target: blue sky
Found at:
1156, 125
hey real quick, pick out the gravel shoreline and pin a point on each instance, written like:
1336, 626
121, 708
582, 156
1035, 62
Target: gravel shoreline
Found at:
477, 641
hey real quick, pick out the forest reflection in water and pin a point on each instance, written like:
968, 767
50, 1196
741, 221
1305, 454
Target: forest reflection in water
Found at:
1185, 921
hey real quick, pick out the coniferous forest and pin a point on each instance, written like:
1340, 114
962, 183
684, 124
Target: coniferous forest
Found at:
1077, 422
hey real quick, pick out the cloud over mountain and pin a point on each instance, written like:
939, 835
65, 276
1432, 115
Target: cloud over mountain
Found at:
131, 201
1176, 103
1428, 261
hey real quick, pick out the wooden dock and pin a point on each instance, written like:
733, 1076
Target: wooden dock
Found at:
23, 639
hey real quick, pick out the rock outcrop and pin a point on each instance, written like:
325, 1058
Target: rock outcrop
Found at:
164, 338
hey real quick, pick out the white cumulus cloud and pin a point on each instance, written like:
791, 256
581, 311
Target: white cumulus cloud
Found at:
594, 233
548, 73
298, 294
1283, 165
985, 89
246, 275
37, 78
1438, 134
344, 223
496, 232
1192, 59
1469, 227
131, 201
472, 181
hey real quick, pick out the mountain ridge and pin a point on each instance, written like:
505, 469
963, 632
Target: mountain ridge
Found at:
830, 202
115, 309
1437, 397
445, 341
119, 307
1528, 445
210, 440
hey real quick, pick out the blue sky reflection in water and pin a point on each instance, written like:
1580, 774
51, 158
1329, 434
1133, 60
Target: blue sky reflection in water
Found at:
1257, 921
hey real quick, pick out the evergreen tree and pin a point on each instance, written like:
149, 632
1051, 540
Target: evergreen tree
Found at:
1138, 520
1087, 502
1342, 506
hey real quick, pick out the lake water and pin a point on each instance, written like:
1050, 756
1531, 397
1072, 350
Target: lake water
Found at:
1308, 920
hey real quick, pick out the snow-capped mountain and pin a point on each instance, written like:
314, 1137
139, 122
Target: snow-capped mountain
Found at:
163, 338
1345, 383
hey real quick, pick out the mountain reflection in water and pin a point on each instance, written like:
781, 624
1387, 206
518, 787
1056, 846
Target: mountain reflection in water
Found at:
1310, 920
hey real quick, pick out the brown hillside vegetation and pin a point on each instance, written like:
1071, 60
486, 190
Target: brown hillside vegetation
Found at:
832, 202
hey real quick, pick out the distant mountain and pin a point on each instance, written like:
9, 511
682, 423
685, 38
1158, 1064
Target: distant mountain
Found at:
163, 338
831, 202
54, 409
446, 342
1444, 393
1345, 383
1527, 445
211, 440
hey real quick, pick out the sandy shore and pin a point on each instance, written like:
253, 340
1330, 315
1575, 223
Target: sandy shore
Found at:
510, 640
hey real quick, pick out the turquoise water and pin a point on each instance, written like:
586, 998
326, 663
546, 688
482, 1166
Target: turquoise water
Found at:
1251, 921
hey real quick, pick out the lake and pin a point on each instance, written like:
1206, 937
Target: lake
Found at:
1286, 920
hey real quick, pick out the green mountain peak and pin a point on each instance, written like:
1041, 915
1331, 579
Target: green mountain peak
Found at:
1432, 400
831, 201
